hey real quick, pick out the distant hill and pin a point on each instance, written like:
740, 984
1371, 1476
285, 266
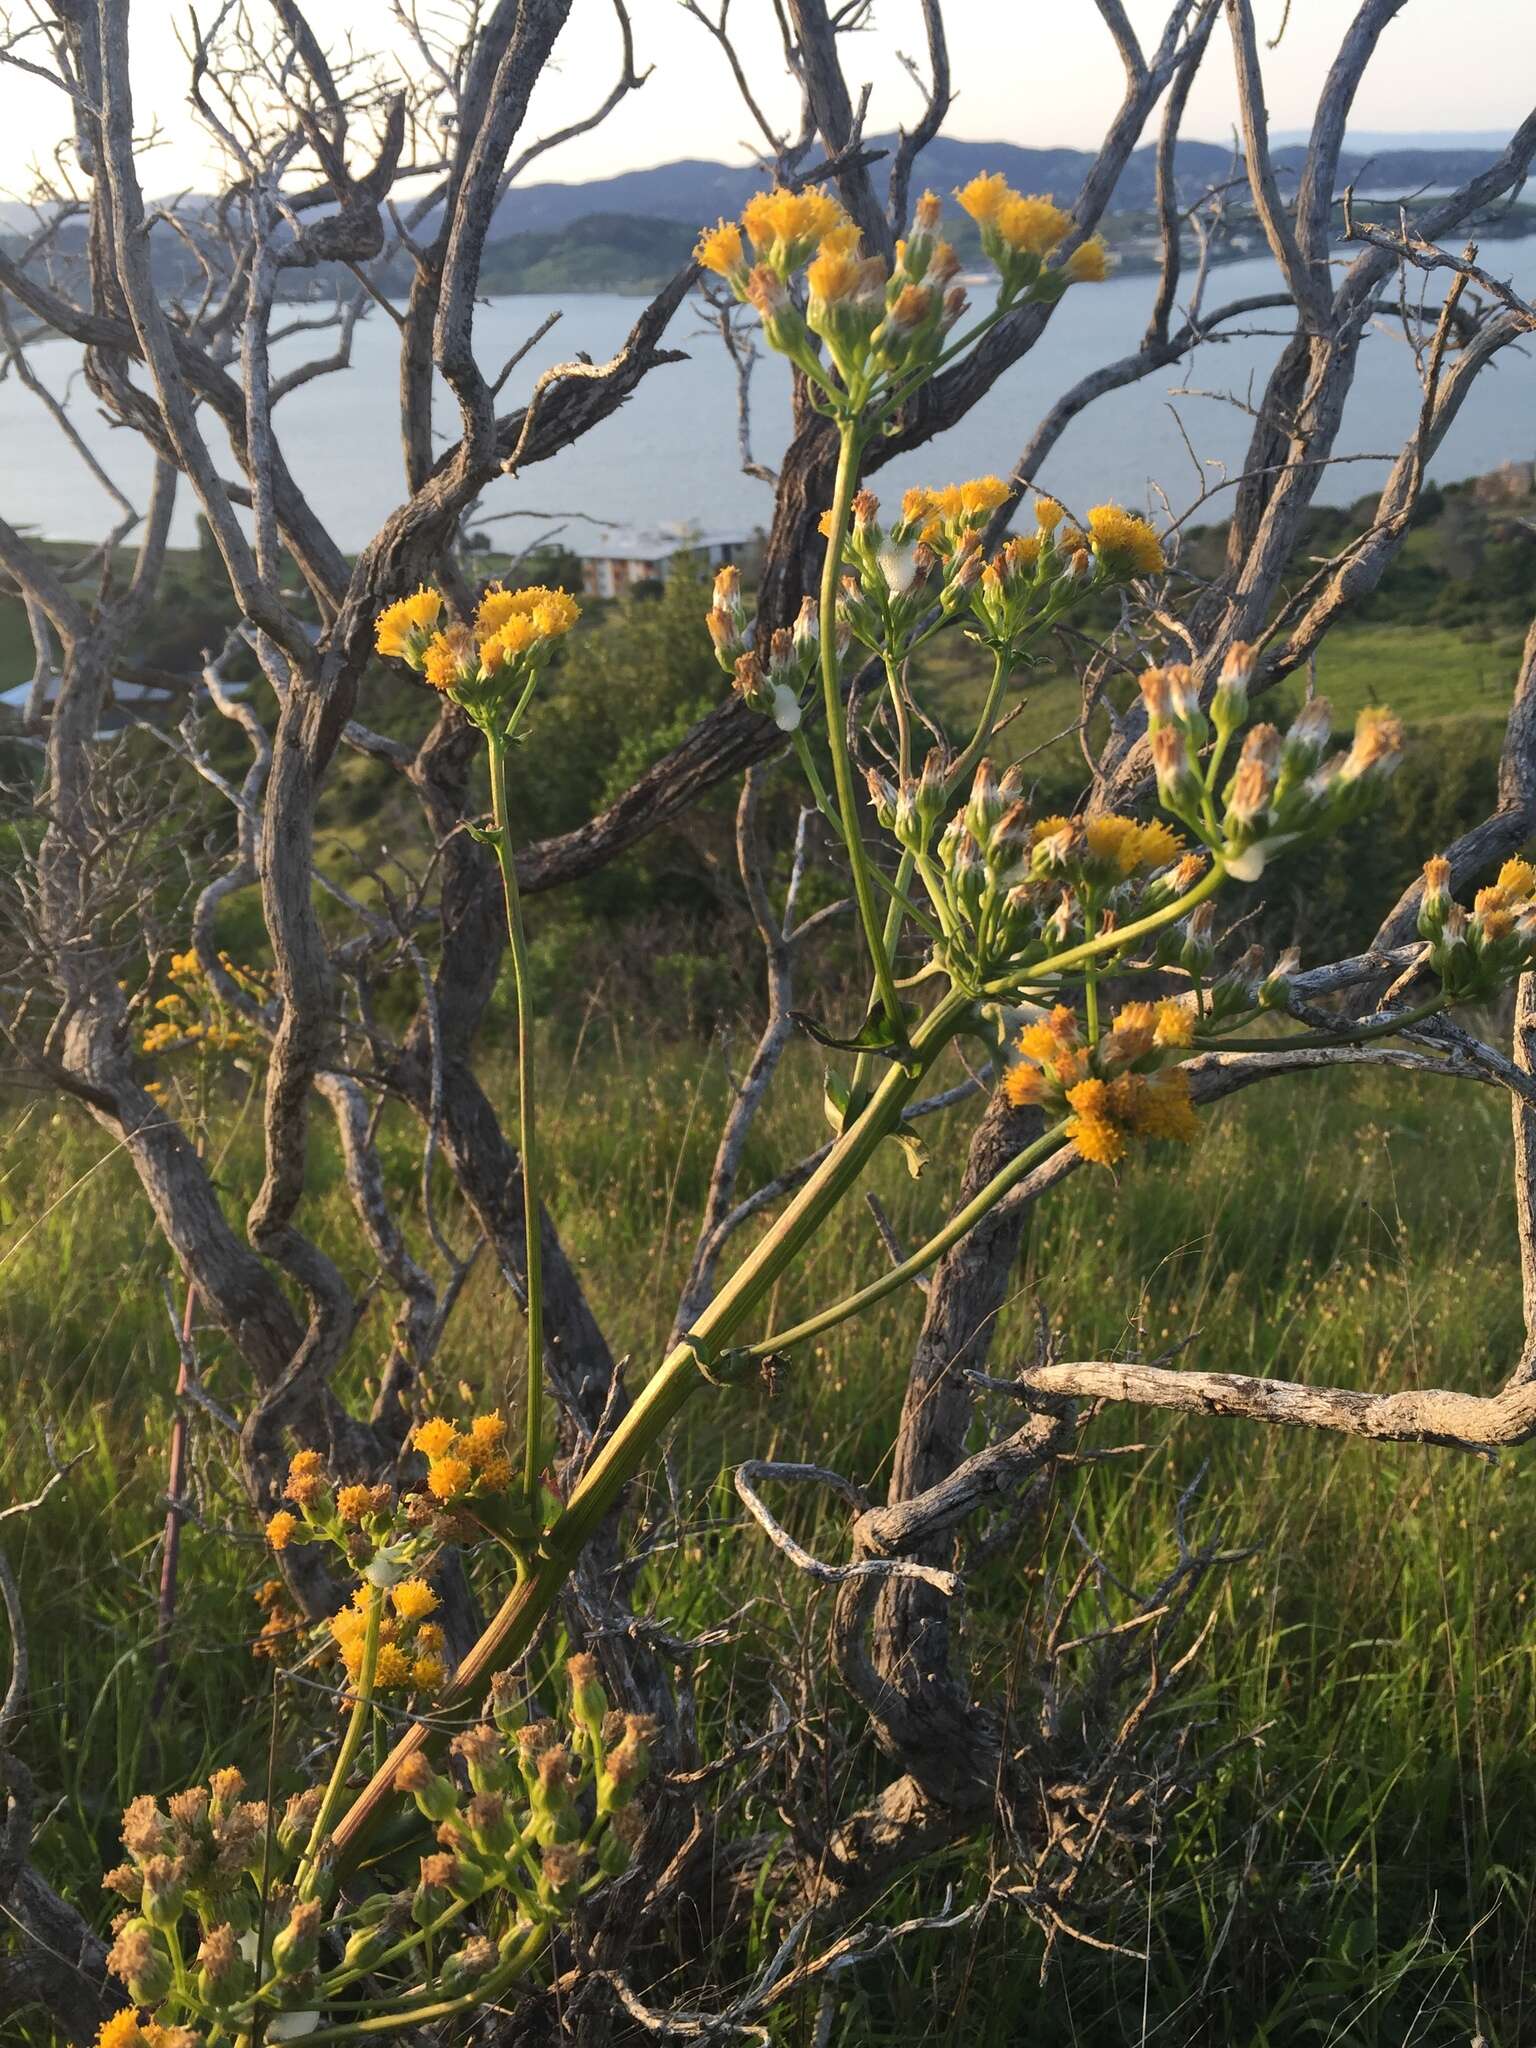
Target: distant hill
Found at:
631, 232
694, 190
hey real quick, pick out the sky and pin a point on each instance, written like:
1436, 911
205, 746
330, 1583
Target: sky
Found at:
1036, 72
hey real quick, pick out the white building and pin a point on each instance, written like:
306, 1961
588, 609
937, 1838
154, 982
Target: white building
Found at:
615, 557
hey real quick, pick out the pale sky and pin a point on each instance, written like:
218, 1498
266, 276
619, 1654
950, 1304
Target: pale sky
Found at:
1035, 72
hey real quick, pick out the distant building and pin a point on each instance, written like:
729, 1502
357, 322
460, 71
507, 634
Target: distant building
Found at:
617, 556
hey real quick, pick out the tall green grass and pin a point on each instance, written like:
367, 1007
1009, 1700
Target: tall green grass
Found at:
1356, 1872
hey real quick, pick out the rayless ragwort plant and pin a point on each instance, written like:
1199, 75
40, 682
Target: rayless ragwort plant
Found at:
1023, 916
1006, 918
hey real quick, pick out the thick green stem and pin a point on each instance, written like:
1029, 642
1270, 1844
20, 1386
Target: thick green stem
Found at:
660, 1401
309, 1870
527, 1099
963, 1220
837, 743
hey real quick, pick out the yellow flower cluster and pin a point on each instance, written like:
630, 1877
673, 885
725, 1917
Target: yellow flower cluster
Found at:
410, 1653
126, 2030
1020, 231
458, 1463
783, 227
1119, 1088
1108, 846
191, 1014
1123, 543
408, 621
513, 630
942, 516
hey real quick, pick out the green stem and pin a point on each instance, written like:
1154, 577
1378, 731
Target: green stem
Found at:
849, 450
527, 1135
956, 1228
898, 907
658, 1404
487, 1990
1109, 942
309, 1868
965, 766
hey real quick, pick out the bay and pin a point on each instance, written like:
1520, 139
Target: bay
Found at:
669, 454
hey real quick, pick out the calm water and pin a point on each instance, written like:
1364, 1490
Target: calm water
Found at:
670, 453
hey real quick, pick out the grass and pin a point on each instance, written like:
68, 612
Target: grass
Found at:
1357, 1875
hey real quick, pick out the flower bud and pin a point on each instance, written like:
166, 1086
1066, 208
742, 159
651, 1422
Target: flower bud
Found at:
1198, 952
1275, 990
466, 1966
223, 1974
484, 1756
1254, 783
1435, 902
807, 633
1308, 736
986, 805
298, 1818
882, 798
165, 1890
440, 1881
1377, 746
1229, 706
1178, 786
137, 1960
560, 1873
930, 793
434, 1795
296, 1947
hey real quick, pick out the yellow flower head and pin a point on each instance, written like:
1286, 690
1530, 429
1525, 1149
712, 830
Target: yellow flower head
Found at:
1164, 1108
1097, 1136
486, 1435
403, 628
1089, 262
1023, 1085
719, 249
434, 1439
428, 1673
1175, 1024
1157, 844
429, 1639
121, 2031
354, 1502
1125, 545
982, 496
1516, 876
1030, 226
448, 1477
1049, 514
413, 1600
786, 226
836, 274
282, 1529
449, 657
393, 1669
510, 639
983, 197
551, 612
496, 1474
1134, 1030
1115, 841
